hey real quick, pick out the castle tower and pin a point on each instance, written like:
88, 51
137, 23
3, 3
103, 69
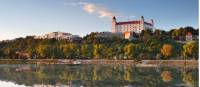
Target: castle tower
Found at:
152, 22
114, 24
142, 23
142, 18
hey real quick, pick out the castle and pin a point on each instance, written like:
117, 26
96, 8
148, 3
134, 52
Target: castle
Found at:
131, 26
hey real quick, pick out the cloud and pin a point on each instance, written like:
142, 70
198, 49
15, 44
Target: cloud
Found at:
98, 9
91, 8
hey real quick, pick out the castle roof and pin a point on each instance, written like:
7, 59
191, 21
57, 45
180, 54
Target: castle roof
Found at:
128, 22
189, 34
148, 23
133, 22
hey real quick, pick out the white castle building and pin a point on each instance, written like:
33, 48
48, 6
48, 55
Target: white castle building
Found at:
131, 26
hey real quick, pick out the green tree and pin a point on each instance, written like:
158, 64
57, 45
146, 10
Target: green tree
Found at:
109, 52
86, 51
131, 50
145, 34
176, 34
41, 51
152, 47
118, 51
98, 51
71, 50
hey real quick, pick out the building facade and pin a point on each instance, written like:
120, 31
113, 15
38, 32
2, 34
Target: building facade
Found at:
131, 26
58, 36
109, 35
188, 36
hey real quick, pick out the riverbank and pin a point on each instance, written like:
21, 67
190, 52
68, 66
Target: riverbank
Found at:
143, 63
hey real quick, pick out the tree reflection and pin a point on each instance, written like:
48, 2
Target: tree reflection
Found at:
97, 75
166, 76
190, 78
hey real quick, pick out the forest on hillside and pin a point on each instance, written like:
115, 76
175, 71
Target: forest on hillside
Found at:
149, 45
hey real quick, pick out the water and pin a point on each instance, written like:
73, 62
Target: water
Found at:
20, 75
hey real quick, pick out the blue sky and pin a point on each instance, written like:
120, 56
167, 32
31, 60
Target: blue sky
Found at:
19, 18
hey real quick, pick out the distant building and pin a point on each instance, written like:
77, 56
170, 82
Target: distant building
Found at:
22, 55
75, 38
131, 26
58, 36
109, 35
188, 36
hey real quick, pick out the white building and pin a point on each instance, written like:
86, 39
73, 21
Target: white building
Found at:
188, 36
131, 26
58, 36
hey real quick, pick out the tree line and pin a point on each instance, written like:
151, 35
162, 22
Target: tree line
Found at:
149, 44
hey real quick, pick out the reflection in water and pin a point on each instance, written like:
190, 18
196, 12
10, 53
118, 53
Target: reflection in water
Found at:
97, 76
166, 76
9, 84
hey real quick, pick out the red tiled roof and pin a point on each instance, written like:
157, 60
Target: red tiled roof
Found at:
133, 22
129, 22
189, 34
148, 23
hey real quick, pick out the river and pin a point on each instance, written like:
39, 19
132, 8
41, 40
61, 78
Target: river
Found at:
88, 75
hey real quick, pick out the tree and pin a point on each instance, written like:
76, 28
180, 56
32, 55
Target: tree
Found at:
152, 47
190, 49
41, 51
86, 51
98, 50
166, 76
109, 52
118, 51
197, 32
176, 34
162, 32
167, 50
131, 50
190, 29
190, 78
56, 52
157, 32
146, 33
71, 50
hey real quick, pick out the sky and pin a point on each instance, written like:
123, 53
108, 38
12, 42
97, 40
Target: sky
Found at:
19, 18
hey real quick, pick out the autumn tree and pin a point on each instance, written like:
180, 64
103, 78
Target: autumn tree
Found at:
166, 76
190, 49
167, 50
